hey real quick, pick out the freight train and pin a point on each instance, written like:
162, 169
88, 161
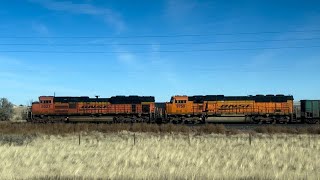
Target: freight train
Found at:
180, 109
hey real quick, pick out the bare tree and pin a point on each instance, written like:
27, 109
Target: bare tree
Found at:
29, 103
6, 109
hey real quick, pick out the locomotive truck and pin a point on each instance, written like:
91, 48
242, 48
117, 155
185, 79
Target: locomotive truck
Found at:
180, 109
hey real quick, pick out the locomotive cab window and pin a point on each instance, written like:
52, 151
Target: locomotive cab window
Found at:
45, 102
181, 101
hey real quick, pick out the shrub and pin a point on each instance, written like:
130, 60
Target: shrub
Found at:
209, 128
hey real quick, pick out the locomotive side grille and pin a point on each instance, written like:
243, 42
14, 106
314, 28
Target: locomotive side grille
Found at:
72, 105
61, 107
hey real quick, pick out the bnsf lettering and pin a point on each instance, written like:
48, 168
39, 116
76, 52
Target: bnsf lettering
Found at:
93, 107
236, 106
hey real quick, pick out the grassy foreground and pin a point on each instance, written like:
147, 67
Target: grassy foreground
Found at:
128, 155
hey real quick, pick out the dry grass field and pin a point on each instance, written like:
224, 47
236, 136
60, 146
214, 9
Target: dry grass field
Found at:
62, 128
129, 155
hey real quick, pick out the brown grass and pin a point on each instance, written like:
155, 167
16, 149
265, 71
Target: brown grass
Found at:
291, 130
55, 129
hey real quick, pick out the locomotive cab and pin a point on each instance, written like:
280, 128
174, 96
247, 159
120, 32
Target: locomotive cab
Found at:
46, 104
43, 107
182, 109
178, 105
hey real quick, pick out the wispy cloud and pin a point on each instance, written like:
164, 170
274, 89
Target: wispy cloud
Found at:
150, 63
18, 75
179, 9
168, 74
111, 17
127, 58
155, 47
262, 59
6, 61
273, 59
40, 28
185, 10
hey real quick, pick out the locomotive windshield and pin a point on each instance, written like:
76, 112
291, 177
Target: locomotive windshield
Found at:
172, 100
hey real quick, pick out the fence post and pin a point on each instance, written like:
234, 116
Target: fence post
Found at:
134, 139
79, 139
250, 138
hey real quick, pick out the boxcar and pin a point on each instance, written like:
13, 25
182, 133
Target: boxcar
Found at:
310, 111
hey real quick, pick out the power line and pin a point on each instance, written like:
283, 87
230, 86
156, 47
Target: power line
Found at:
156, 70
160, 51
154, 36
149, 44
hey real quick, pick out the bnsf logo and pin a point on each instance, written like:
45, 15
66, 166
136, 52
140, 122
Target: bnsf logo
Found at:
237, 106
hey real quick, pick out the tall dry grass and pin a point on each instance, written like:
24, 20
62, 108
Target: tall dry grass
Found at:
129, 155
61, 128
282, 129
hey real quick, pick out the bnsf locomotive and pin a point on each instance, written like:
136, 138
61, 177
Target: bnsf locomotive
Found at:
180, 109
114, 109
232, 108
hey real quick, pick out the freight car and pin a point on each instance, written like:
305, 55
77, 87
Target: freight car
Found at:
220, 108
309, 111
77, 109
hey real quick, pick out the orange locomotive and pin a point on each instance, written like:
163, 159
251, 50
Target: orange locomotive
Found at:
114, 109
181, 109
219, 108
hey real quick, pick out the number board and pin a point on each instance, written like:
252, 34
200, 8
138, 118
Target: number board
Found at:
45, 106
181, 106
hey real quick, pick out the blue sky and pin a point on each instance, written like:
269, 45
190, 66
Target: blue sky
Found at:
120, 47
